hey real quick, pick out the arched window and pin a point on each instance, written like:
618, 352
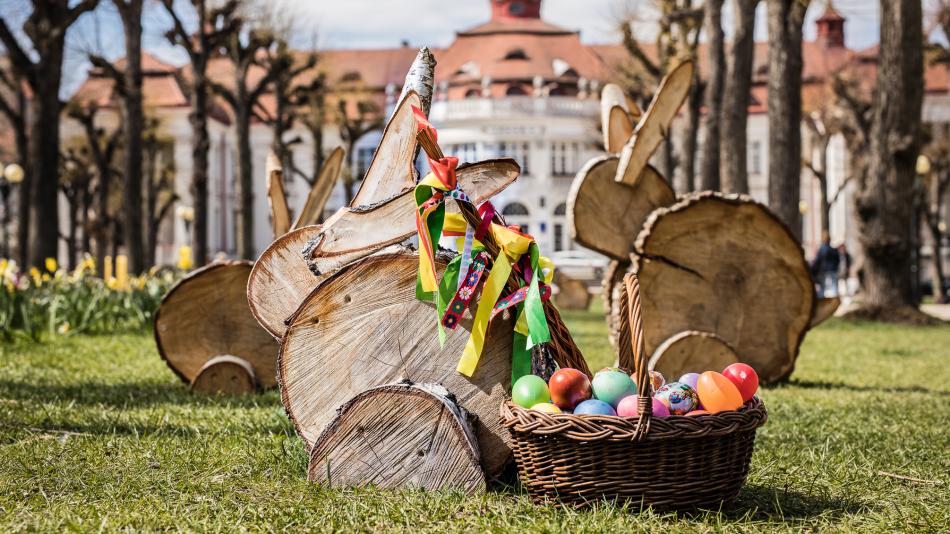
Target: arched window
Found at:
515, 208
561, 240
517, 214
351, 76
515, 90
560, 210
473, 93
515, 54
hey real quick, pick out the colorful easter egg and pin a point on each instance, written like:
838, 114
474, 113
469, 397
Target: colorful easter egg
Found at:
628, 407
744, 377
568, 388
530, 390
696, 412
612, 386
718, 393
546, 407
594, 407
677, 397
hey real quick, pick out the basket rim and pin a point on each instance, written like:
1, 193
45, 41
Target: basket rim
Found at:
519, 420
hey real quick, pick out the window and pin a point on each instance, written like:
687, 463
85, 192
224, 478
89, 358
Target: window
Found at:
519, 152
564, 158
473, 93
516, 53
465, 152
351, 76
364, 156
558, 237
515, 90
561, 241
560, 210
516, 214
755, 157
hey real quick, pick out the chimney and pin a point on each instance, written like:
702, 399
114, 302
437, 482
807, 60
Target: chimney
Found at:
830, 28
515, 9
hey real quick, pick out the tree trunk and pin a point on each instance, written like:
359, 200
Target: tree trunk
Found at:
151, 202
245, 231
131, 14
709, 175
25, 188
684, 180
936, 263
733, 171
84, 218
885, 201
201, 144
44, 156
823, 183
785, 109
72, 236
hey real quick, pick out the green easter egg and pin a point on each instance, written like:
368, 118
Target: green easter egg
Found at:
530, 390
612, 386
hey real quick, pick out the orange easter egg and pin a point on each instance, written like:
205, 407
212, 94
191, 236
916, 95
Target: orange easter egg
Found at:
717, 393
694, 413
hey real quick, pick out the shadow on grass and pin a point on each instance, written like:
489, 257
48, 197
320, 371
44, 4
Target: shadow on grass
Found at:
126, 394
818, 384
763, 503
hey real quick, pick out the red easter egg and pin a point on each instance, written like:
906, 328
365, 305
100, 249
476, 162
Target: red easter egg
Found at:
744, 377
718, 393
569, 387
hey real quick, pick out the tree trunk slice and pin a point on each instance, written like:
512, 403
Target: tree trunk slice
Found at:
277, 197
726, 265
321, 189
616, 124
421, 79
654, 126
354, 233
281, 279
206, 315
571, 294
606, 216
399, 436
692, 352
611, 291
392, 170
363, 327
227, 375
824, 309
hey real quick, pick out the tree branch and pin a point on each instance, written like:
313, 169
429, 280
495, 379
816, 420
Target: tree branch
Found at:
224, 93
18, 57
633, 48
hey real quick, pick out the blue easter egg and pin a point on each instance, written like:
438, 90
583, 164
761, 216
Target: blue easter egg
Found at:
594, 407
612, 386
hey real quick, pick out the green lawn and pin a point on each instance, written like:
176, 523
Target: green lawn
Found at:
96, 433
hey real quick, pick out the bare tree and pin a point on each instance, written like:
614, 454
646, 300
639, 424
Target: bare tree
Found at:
287, 74
884, 197
75, 181
103, 147
243, 47
45, 28
159, 170
200, 46
935, 187
733, 169
785, 109
311, 104
13, 105
712, 22
128, 85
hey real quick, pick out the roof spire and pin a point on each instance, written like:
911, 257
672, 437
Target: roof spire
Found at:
517, 9
831, 27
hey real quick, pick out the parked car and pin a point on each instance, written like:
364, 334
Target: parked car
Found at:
586, 266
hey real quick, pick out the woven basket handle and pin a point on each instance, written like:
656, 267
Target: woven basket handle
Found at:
631, 352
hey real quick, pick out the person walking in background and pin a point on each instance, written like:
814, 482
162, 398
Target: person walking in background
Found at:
825, 267
844, 271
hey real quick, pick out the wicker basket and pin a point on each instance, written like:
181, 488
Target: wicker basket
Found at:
677, 462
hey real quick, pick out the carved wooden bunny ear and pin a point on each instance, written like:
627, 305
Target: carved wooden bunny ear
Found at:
655, 125
606, 216
277, 197
322, 187
616, 123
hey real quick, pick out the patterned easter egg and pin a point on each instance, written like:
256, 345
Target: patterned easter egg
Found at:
678, 397
657, 380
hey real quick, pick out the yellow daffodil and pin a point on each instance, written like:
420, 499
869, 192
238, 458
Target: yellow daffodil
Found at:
112, 283
51, 265
185, 261
9, 285
63, 328
46, 277
35, 275
3, 266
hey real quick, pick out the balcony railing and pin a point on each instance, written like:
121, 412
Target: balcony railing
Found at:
513, 106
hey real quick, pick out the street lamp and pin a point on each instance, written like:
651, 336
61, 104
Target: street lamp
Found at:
12, 174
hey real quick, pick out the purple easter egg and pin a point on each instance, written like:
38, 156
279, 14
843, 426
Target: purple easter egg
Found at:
690, 379
594, 407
